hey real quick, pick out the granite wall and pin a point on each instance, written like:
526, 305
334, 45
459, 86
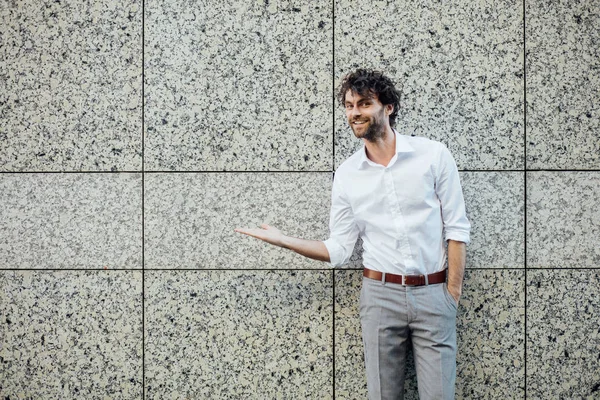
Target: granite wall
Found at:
134, 137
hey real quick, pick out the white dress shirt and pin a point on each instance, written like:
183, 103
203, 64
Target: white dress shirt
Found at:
403, 212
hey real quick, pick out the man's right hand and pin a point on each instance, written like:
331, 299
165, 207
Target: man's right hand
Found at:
266, 232
314, 249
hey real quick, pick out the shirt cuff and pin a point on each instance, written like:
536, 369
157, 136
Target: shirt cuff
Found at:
459, 236
335, 252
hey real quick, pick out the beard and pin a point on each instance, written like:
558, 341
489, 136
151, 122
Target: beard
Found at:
375, 131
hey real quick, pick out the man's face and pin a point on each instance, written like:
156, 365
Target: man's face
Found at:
367, 117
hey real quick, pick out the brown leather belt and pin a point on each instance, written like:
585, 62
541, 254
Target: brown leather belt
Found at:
410, 280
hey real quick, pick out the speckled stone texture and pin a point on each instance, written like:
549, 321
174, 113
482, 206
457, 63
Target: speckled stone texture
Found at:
71, 334
490, 326
84, 221
563, 222
563, 82
239, 334
491, 335
460, 67
495, 208
356, 260
238, 85
190, 218
70, 93
350, 379
563, 338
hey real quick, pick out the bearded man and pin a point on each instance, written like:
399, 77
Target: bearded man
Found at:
402, 195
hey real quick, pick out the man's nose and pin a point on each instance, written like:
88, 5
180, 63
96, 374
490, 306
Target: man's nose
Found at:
354, 112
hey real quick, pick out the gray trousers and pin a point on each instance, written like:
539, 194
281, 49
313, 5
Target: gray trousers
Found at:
391, 313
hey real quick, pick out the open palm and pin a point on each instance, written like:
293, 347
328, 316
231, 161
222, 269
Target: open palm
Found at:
266, 232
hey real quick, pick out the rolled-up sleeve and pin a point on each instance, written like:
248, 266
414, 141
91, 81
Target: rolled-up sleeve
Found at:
449, 191
343, 230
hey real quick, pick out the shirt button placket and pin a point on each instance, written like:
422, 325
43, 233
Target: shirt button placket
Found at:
398, 219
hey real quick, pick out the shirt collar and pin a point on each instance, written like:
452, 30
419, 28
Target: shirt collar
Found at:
402, 146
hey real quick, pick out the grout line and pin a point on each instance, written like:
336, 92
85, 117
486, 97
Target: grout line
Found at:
240, 269
240, 172
143, 202
525, 199
333, 92
562, 170
276, 269
70, 172
273, 172
287, 269
161, 172
333, 173
562, 269
529, 170
491, 170
333, 329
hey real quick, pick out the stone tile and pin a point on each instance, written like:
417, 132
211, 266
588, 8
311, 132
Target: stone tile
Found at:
239, 334
490, 330
491, 335
563, 223
460, 67
350, 378
345, 143
563, 338
70, 221
495, 208
238, 85
563, 85
70, 96
71, 334
190, 218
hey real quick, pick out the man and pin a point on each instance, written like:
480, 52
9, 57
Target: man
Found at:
402, 195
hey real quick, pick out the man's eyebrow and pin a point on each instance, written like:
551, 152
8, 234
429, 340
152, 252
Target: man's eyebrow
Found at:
362, 100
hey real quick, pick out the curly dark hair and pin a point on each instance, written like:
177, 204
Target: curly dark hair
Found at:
368, 82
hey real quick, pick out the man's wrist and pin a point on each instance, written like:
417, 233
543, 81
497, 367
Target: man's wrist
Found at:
284, 242
455, 291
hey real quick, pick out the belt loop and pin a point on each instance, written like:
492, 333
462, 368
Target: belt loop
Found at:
426, 280
403, 280
383, 278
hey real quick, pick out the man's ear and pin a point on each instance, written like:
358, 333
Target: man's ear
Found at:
389, 109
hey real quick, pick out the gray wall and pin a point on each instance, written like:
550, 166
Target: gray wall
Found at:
134, 139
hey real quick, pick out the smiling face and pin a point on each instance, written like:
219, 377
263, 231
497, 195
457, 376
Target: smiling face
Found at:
367, 116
